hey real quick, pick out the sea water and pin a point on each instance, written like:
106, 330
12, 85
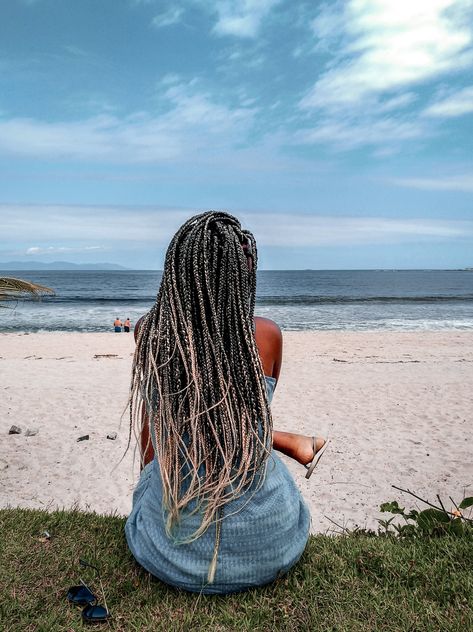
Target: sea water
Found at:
296, 299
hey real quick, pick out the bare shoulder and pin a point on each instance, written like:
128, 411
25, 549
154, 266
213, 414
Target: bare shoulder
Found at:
138, 326
267, 327
269, 342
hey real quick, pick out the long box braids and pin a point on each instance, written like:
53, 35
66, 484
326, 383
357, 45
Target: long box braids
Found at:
197, 369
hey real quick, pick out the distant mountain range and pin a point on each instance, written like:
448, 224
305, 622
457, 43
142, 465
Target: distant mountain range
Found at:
58, 265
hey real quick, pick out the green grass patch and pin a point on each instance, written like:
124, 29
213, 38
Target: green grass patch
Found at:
346, 583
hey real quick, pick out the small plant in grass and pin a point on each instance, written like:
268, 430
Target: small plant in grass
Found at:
435, 521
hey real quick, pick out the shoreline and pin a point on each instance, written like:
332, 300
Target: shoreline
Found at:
397, 406
409, 328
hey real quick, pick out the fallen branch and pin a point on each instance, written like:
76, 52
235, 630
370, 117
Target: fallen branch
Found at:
408, 491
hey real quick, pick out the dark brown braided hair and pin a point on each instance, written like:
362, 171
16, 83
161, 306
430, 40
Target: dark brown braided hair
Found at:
197, 369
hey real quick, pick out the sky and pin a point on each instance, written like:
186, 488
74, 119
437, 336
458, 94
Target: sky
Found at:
340, 133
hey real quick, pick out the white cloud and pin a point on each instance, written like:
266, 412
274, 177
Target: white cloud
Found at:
309, 230
397, 103
76, 51
168, 18
154, 227
243, 18
191, 119
462, 183
72, 225
170, 79
456, 104
344, 134
54, 250
379, 50
386, 45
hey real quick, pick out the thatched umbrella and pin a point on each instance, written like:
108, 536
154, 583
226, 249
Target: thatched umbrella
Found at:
13, 289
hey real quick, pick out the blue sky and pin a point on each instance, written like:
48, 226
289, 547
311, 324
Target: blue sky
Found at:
341, 133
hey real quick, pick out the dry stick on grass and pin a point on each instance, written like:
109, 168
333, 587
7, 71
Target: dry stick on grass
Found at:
456, 506
408, 491
441, 503
344, 529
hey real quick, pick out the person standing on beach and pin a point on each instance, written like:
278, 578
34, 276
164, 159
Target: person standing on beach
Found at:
126, 326
118, 325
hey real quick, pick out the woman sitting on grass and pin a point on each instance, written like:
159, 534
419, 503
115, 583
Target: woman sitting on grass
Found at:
215, 509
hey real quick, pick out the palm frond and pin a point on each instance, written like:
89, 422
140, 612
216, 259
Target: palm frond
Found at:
12, 289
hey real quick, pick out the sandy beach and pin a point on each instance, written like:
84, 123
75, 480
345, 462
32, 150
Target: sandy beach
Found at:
397, 406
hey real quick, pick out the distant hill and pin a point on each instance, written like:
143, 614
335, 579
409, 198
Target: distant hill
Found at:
58, 265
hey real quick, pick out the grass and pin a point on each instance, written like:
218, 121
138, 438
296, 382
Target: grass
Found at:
344, 583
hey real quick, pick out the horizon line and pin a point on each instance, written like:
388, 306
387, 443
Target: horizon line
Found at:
374, 269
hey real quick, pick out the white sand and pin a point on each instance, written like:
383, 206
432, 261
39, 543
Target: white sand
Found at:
398, 407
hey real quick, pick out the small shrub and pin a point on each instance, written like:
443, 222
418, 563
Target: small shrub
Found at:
432, 522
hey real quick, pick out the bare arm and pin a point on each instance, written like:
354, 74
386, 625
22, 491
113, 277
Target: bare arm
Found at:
146, 445
269, 342
147, 450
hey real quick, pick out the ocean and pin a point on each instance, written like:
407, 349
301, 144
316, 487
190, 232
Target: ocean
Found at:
356, 300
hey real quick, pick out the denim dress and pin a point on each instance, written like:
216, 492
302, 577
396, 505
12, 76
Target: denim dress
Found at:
263, 533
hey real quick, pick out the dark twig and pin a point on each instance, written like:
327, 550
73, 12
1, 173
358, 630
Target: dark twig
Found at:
441, 504
408, 491
344, 529
456, 506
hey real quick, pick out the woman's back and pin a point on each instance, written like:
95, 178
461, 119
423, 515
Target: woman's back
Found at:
263, 533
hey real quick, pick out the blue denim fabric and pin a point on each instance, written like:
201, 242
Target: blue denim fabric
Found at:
263, 533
